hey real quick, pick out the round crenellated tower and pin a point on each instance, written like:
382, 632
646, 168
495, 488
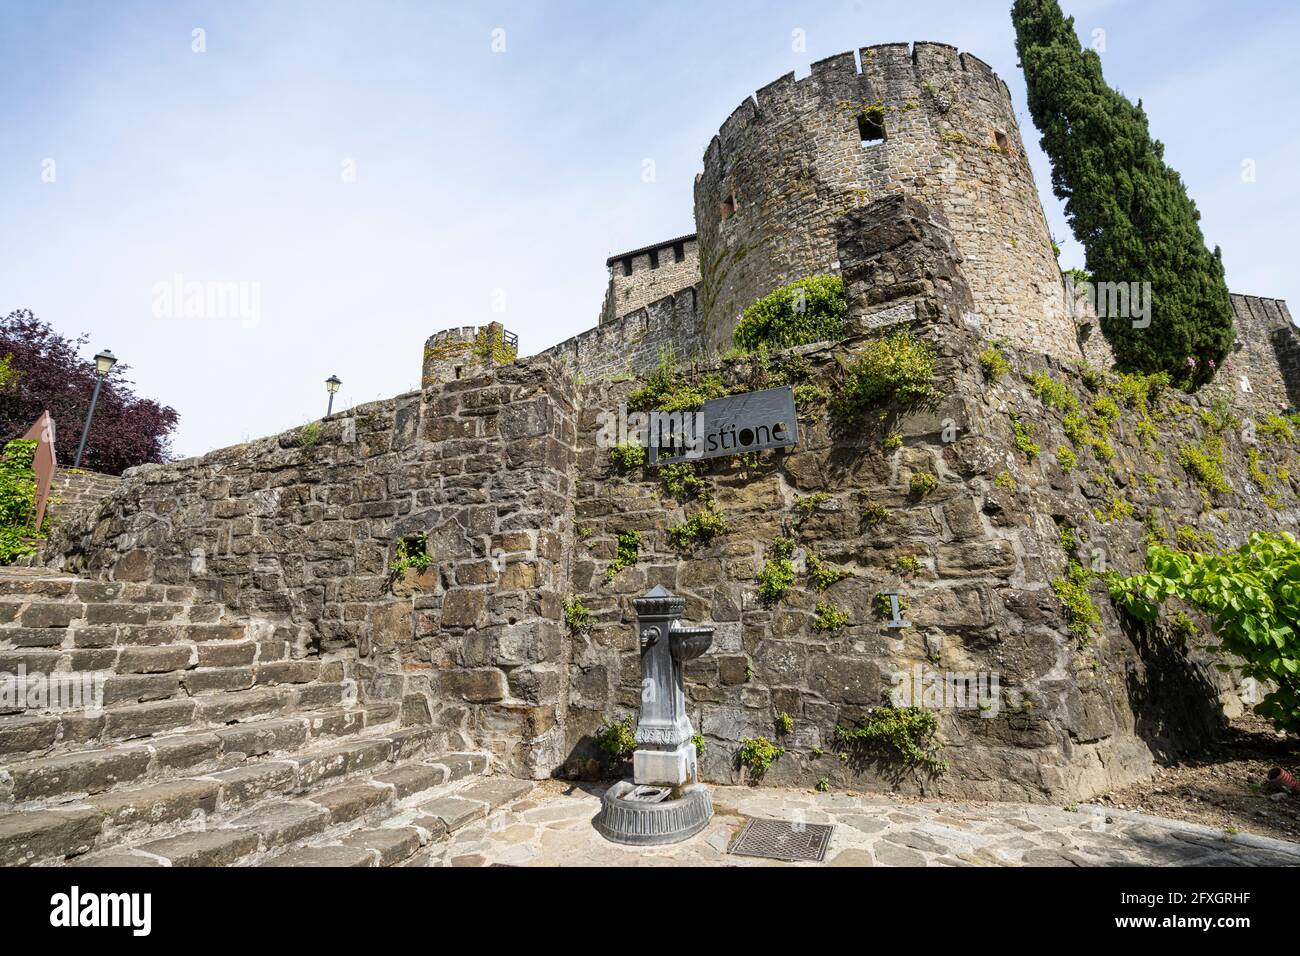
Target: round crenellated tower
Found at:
927, 121
460, 353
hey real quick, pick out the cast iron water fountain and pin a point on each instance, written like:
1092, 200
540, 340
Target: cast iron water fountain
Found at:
664, 802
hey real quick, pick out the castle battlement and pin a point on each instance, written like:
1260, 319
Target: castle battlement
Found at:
925, 120
641, 276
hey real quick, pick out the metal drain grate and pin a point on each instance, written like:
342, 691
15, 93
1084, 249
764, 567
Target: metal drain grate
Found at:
782, 840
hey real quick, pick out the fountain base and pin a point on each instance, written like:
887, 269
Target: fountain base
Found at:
652, 816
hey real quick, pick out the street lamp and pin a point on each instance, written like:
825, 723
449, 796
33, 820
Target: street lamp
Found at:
104, 361
331, 385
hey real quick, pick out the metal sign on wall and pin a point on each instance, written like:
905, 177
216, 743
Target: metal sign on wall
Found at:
734, 425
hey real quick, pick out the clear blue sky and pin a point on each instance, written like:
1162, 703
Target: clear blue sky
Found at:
485, 177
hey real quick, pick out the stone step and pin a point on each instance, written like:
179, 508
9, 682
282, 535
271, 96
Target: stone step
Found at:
139, 675
42, 781
59, 616
224, 819
23, 587
407, 831
149, 705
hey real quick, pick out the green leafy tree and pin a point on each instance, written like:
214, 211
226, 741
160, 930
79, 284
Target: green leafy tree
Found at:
1129, 210
1252, 596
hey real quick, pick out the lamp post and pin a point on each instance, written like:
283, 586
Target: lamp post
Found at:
331, 385
104, 361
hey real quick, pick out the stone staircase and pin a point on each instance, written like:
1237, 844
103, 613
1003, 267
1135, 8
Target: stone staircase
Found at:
214, 745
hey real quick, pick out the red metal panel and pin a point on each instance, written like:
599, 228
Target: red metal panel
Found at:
43, 463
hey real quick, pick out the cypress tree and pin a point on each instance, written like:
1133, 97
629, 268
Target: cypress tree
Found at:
1127, 208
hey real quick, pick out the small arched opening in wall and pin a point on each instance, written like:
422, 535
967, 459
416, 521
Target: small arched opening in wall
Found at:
727, 208
871, 129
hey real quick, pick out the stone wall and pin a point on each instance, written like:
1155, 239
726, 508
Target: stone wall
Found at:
788, 163
633, 344
76, 488
1263, 371
519, 507
1077, 714
649, 274
300, 530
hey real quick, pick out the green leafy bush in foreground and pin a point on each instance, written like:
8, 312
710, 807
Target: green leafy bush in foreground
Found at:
17, 500
1252, 597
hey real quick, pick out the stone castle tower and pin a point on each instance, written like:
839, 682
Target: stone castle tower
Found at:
920, 120
929, 122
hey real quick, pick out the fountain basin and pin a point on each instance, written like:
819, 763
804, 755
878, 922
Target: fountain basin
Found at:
688, 643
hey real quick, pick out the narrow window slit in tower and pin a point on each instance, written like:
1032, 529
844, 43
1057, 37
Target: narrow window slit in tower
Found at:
1004, 144
871, 129
654, 258
679, 252
728, 208
627, 266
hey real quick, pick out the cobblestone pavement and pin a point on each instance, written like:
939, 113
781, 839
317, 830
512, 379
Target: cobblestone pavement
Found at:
551, 826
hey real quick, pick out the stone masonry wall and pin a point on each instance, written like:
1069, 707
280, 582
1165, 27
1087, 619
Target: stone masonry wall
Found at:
633, 344
501, 472
1077, 714
1263, 372
299, 529
76, 488
791, 162
655, 273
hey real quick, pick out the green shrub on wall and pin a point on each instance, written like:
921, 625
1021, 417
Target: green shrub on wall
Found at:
17, 500
809, 310
896, 368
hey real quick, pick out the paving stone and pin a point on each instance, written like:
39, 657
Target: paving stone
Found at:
852, 857
164, 802
27, 734
393, 845
211, 680
117, 860
337, 723
28, 836
262, 737
333, 856
140, 688
454, 812
143, 720
154, 660
288, 672
496, 791
92, 771
891, 854
349, 803
412, 779
411, 742
243, 786
241, 705
460, 765
238, 654
280, 824
50, 614
365, 754
205, 848
185, 751
315, 696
